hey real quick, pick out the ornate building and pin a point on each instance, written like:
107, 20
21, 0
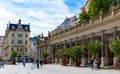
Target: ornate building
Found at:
1, 46
105, 28
67, 23
17, 37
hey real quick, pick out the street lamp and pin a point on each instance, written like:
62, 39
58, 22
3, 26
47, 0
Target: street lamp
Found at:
37, 39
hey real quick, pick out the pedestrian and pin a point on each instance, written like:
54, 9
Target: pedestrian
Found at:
33, 64
95, 64
91, 63
98, 63
41, 62
1, 63
24, 62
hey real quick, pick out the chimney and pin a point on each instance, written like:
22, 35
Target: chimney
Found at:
19, 21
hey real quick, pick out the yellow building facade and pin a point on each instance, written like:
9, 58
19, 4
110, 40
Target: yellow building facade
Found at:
17, 37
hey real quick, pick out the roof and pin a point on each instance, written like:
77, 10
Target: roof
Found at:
14, 27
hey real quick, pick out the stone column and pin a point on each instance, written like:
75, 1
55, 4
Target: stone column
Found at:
103, 50
52, 53
92, 37
65, 43
83, 58
61, 45
114, 37
56, 56
76, 41
70, 43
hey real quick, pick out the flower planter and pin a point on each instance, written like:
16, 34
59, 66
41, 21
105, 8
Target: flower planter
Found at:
63, 62
75, 63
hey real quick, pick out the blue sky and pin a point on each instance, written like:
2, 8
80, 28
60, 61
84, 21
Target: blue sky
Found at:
43, 15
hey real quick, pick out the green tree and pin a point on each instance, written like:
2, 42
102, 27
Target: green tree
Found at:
115, 47
93, 47
14, 55
98, 6
63, 53
45, 55
75, 53
114, 2
83, 17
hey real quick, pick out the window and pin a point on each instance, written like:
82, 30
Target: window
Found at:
12, 34
25, 49
20, 28
26, 28
19, 35
21, 49
26, 42
11, 49
12, 41
13, 27
26, 35
19, 41
18, 49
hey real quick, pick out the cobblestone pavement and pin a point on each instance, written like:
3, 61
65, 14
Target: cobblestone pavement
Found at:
53, 69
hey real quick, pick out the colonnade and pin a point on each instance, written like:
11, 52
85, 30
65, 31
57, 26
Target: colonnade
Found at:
105, 36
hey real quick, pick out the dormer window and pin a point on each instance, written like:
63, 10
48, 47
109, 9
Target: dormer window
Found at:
19, 28
26, 28
13, 27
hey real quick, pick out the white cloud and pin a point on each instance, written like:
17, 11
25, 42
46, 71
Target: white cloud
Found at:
5, 14
19, 1
3, 26
43, 15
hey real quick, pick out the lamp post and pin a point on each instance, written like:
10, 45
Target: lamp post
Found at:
37, 58
23, 53
38, 39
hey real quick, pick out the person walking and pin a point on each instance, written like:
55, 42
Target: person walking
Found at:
41, 62
95, 64
24, 62
1, 63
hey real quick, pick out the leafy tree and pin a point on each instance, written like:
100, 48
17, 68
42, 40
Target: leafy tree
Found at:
114, 2
98, 6
45, 55
93, 47
83, 17
76, 52
64, 52
14, 55
115, 47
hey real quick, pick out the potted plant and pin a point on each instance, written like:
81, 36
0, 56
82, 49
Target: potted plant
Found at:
13, 55
63, 53
115, 48
75, 53
93, 47
45, 55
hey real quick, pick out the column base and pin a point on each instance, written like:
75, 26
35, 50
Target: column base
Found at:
83, 61
56, 60
114, 61
104, 61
